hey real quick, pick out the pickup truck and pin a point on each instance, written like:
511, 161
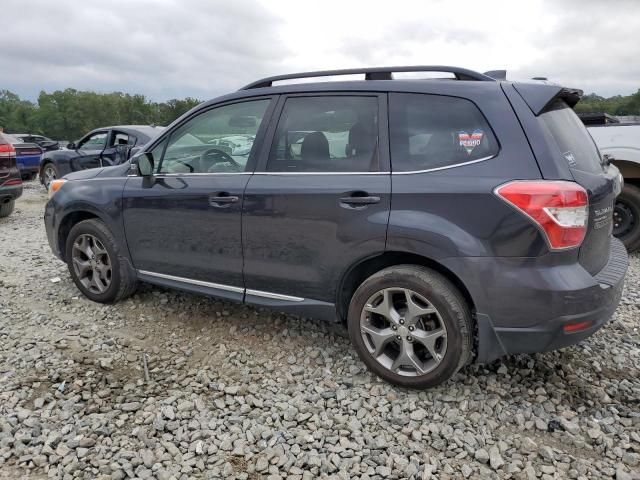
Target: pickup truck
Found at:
620, 142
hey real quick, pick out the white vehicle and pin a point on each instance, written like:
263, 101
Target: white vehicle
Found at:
621, 143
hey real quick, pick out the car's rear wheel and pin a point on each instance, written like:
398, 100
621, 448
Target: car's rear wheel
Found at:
48, 175
7, 207
411, 326
95, 265
626, 217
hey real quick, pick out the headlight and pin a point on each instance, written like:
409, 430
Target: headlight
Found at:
55, 185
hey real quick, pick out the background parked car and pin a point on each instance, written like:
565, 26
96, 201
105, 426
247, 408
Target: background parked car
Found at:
620, 143
99, 148
10, 179
27, 155
44, 143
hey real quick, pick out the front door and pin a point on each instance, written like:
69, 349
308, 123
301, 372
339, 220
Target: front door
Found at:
319, 202
89, 150
184, 223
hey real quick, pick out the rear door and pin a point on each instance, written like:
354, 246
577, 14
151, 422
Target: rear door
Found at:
320, 199
566, 133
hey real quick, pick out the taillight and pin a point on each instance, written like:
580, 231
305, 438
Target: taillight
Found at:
7, 150
559, 208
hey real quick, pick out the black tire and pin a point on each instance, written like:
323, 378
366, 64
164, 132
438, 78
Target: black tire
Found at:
451, 306
44, 178
6, 208
627, 217
123, 281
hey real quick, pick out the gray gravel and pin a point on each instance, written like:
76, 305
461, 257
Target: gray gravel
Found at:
237, 392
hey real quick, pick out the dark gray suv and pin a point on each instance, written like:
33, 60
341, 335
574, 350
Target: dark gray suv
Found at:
445, 221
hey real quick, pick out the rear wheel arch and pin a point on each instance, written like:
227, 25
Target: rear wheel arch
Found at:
363, 269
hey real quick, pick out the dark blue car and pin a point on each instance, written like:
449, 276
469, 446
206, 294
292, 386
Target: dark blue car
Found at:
443, 221
28, 157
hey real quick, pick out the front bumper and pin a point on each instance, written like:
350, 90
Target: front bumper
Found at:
582, 311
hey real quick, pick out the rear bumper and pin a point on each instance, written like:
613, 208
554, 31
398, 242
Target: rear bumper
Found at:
574, 313
28, 164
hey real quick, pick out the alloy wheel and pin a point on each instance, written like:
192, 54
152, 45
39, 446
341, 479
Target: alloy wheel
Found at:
49, 175
403, 331
91, 263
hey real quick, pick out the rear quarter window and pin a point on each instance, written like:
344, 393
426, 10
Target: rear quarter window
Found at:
434, 131
565, 130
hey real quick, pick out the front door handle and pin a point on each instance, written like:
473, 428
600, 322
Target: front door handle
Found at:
222, 200
360, 201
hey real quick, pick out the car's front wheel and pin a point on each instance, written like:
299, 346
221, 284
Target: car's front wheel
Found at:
95, 265
48, 175
411, 326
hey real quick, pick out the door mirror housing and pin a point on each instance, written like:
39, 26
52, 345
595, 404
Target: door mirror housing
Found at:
145, 164
71, 145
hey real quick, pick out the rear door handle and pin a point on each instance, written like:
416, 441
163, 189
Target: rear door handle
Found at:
358, 201
222, 200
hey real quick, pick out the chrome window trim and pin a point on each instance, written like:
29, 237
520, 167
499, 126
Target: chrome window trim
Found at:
322, 173
199, 174
446, 167
275, 296
201, 283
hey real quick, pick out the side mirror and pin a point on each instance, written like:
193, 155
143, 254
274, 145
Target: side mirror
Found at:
145, 164
71, 146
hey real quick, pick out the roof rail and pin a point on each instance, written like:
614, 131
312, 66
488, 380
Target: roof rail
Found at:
375, 73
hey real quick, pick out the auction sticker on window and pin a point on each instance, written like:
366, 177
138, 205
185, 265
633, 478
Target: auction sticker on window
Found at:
469, 141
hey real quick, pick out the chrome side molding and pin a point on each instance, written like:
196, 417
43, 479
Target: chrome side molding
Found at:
219, 286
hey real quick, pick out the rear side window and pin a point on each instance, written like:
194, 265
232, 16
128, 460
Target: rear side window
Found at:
566, 130
326, 134
434, 131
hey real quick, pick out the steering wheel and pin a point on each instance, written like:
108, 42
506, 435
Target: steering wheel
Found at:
215, 155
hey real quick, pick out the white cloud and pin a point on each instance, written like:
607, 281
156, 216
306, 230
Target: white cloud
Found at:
202, 48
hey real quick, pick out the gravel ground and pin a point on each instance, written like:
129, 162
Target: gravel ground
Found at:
239, 392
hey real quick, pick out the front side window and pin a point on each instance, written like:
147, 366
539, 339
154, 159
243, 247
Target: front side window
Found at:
326, 134
219, 140
433, 131
96, 141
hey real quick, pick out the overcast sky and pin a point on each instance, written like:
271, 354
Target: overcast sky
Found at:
202, 48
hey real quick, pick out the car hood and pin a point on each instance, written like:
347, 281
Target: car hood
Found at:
104, 172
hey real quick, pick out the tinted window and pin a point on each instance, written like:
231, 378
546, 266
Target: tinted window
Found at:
571, 137
431, 131
216, 141
326, 134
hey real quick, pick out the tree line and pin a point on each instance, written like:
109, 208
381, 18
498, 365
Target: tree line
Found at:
616, 105
69, 114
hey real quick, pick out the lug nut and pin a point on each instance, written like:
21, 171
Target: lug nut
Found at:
398, 337
402, 321
410, 338
412, 328
393, 327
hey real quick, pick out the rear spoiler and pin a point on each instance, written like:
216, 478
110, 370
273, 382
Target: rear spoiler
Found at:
538, 96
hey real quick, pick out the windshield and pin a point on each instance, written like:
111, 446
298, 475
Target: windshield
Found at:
571, 137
